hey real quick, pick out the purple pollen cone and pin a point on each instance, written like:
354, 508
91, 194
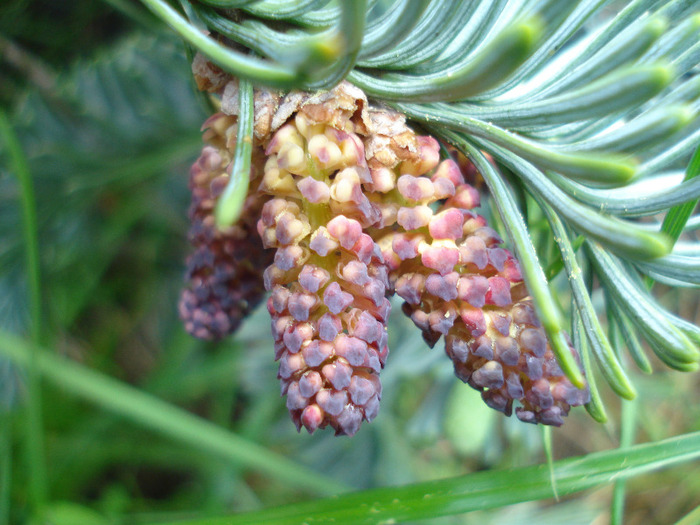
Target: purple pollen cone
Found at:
224, 280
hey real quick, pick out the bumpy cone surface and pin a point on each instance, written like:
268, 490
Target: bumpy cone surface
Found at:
224, 279
457, 281
362, 207
328, 281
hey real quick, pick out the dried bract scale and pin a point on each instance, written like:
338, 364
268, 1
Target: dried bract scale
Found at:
458, 282
328, 282
224, 279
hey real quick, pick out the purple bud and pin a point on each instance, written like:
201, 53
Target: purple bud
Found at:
291, 229
511, 270
279, 326
444, 287
329, 326
539, 394
415, 188
552, 416
375, 290
312, 417
526, 416
414, 218
278, 300
457, 349
565, 392
514, 386
360, 390
349, 420
489, 236
447, 225
473, 318
301, 304
465, 198
482, 346
420, 319
551, 367
295, 400
365, 248
316, 352
448, 170
506, 350
533, 367
332, 402
501, 322
534, 341
338, 373
499, 292
473, 251
497, 258
346, 231
294, 337
371, 408
273, 276
290, 364
336, 299
313, 190
367, 328
405, 246
490, 375
310, 383
272, 209
496, 400
441, 258
354, 350
312, 278
356, 273
444, 188
473, 290
322, 242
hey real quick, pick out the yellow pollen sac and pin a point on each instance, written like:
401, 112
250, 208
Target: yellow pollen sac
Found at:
291, 157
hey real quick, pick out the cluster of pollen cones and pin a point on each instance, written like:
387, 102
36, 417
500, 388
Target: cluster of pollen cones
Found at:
347, 206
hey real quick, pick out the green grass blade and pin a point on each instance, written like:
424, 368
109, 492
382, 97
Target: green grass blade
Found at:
5, 468
164, 418
34, 426
692, 518
474, 491
547, 446
628, 427
676, 218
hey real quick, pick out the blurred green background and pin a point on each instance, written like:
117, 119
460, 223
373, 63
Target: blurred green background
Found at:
101, 100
